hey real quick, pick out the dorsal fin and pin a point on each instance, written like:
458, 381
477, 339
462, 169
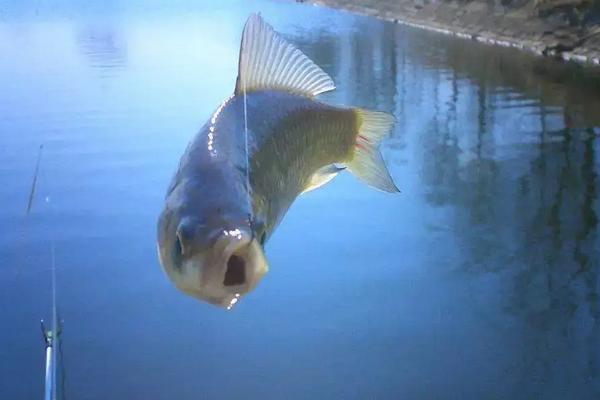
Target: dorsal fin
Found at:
267, 61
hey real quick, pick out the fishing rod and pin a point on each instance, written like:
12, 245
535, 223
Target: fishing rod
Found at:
50, 335
50, 375
51, 339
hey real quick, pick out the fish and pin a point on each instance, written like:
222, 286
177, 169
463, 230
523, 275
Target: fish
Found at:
265, 145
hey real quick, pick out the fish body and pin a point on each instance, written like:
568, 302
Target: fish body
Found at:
262, 147
291, 138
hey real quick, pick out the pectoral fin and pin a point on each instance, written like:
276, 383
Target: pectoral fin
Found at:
322, 176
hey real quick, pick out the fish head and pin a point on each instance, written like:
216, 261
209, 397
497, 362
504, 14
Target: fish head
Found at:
210, 254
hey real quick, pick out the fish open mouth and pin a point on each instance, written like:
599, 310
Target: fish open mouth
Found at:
235, 274
232, 267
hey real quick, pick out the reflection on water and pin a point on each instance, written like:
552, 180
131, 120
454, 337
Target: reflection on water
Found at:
479, 280
103, 47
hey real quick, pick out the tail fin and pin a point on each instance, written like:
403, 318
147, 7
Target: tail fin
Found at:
367, 163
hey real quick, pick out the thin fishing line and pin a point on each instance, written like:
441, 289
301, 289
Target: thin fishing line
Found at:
55, 327
58, 358
249, 197
35, 177
24, 227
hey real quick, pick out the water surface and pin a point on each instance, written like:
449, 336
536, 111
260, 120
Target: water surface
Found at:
479, 280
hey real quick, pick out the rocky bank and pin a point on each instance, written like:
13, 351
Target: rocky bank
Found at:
566, 29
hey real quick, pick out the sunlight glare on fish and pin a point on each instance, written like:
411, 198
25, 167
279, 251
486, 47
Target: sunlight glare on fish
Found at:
211, 130
233, 301
235, 232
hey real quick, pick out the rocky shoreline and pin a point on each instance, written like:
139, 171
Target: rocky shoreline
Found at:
563, 29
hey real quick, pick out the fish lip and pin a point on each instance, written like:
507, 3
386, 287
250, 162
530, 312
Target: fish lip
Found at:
202, 275
238, 241
244, 243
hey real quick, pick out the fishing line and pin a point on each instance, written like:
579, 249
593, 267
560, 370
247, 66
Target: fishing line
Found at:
55, 326
35, 176
248, 195
23, 235
58, 363
58, 358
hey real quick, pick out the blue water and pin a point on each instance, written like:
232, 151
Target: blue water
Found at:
479, 281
